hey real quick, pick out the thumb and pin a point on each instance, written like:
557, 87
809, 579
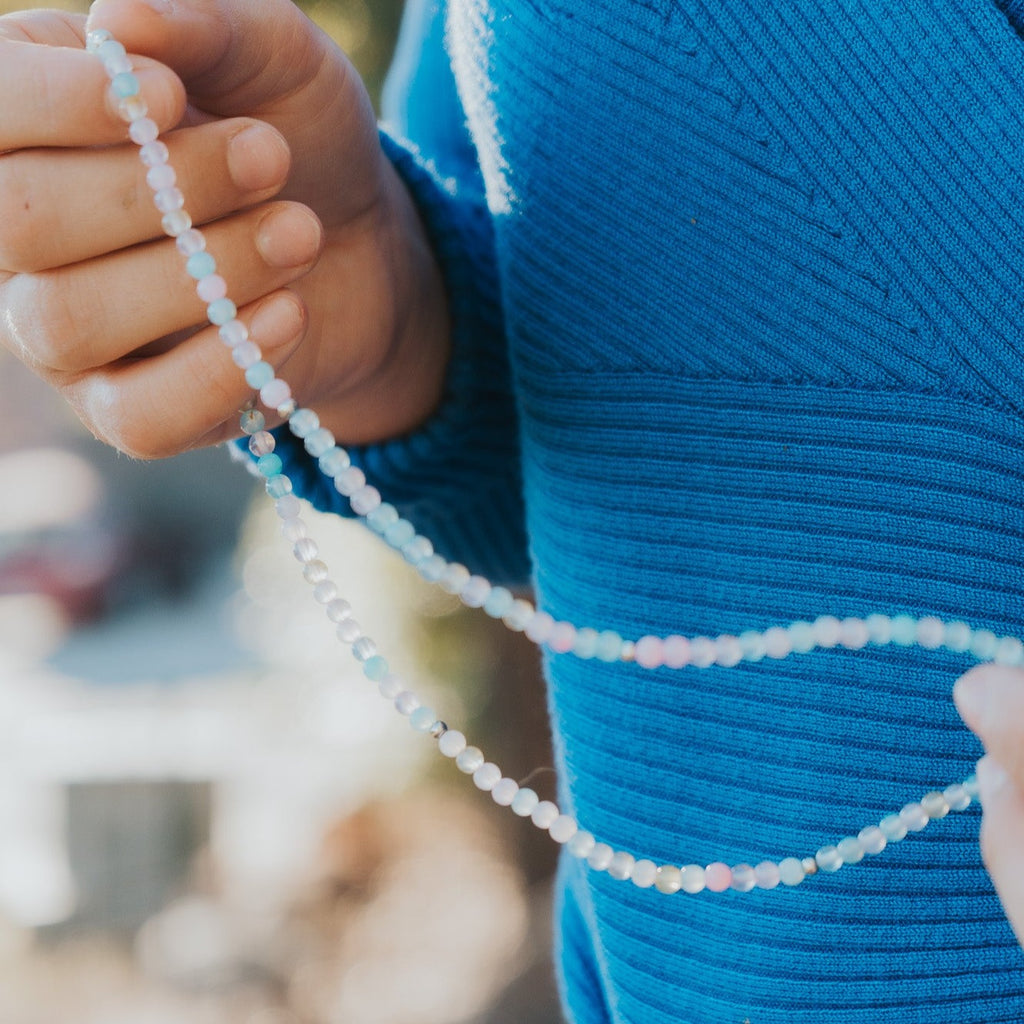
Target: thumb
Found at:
233, 55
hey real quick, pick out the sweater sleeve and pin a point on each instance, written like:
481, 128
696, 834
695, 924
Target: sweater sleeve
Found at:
457, 478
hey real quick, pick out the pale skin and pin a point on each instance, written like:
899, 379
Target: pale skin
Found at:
276, 149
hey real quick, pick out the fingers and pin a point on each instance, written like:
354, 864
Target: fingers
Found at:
990, 699
188, 396
60, 207
1002, 837
62, 96
78, 318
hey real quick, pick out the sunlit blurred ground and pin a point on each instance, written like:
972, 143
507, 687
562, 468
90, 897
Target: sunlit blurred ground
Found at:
207, 815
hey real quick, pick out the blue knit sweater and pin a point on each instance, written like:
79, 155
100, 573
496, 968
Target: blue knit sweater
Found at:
736, 289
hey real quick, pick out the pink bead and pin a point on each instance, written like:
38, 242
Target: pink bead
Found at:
717, 876
562, 638
275, 393
676, 651
212, 287
649, 652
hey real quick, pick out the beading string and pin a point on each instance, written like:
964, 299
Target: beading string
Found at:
518, 614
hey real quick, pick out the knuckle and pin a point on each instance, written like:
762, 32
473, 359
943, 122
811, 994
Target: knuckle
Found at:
40, 324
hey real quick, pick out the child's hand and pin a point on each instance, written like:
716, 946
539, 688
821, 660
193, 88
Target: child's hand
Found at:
276, 149
991, 701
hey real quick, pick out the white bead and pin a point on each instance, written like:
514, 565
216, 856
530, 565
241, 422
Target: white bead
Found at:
406, 702
452, 743
563, 828
692, 878
893, 828
525, 801
983, 644
349, 631
879, 628
455, 578
767, 875
364, 649
517, 617
854, 634
957, 797
288, 507
669, 879
1009, 651
777, 643
581, 845
315, 571
487, 776
934, 805
752, 643
338, 610
931, 632
390, 686
469, 760
791, 871
958, 637
851, 850
645, 874
702, 652
828, 859
743, 878
504, 792
365, 500
827, 631
306, 550
475, 591
544, 814
728, 651
914, 817
622, 866
325, 592
274, 393
349, 481
600, 857
872, 838
801, 637
539, 628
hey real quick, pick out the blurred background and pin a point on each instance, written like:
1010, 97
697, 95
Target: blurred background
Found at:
207, 816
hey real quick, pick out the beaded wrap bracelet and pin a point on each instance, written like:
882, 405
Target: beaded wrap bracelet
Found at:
519, 615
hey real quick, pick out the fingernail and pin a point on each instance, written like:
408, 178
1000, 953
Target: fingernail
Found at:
992, 779
258, 158
278, 320
289, 236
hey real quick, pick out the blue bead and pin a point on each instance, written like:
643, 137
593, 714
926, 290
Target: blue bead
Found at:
498, 602
375, 668
124, 85
269, 465
609, 646
259, 374
382, 517
110, 49
200, 265
399, 533
332, 462
303, 422
220, 311
904, 630
279, 486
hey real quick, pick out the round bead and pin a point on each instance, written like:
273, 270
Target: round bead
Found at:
983, 644
263, 443
600, 857
893, 828
455, 577
563, 828
525, 801
163, 176
914, 816
314, 572
649, 652
399, 533
252, 421
931, 632
498, 601
167, 200
220, 311
153, 153
334, 461
810, 866
539, 628
585, 645
622, 865
423, 719
432, 569
142, 131
879, 628
95, 38
406, 702
728, 651
767, 875
850, 850
279, 486
338, 610
364, 648
791, 871
829, 859
669, 879
802, 637
752, 643
348, 631
702, 652
201, 263
365, 500
854, 634
777, 642
468, 760
191, 242
957, 797
349, 480
274, 393
934, 805
475, 591
303, 422
872, 839
211, 288
827, 631
582, 844
294, 529
677, 651
544, 814
177, 223
417, 550
318, 442
904, 630
1009, 651
743, 878
487, 776
957, 637
109, 47
375, 668
452, 743
246, 354
389, 686
645, 874
609, 646
269, 465
518, 615
717, 877
504, 792
693, 878
562, 638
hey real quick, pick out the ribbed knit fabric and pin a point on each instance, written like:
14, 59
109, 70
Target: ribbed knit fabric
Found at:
759, 270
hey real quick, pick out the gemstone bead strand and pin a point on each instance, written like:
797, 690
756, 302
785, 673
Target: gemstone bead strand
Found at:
648, 652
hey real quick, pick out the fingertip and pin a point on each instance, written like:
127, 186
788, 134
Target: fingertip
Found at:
278, 324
